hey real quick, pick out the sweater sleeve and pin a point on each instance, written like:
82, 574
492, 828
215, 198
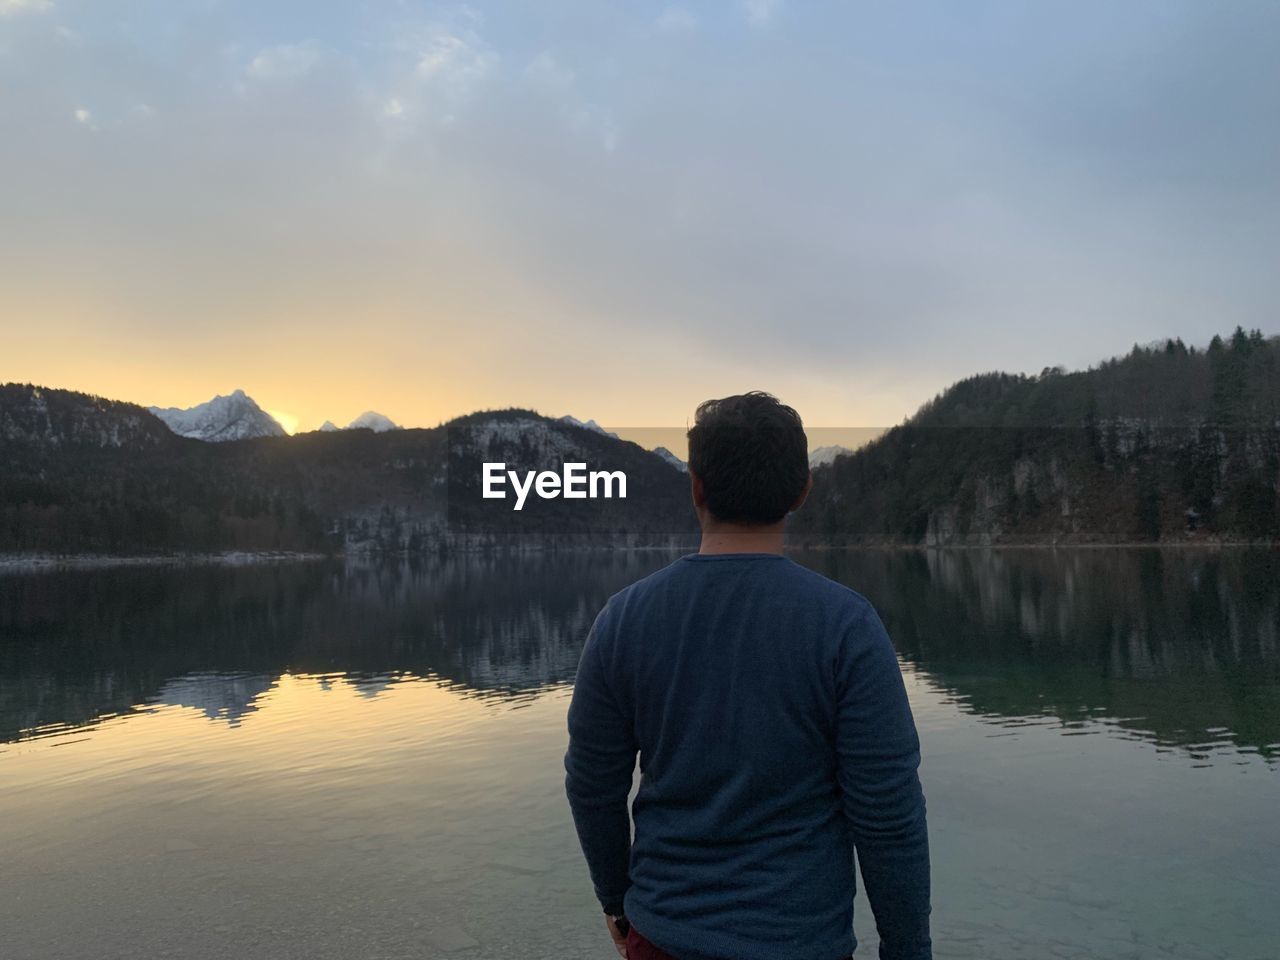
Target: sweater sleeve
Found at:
879, 755
598, 769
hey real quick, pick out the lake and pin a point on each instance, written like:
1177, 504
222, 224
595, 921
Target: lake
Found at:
315, 760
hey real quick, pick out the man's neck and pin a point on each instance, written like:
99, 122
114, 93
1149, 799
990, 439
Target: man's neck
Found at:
738, 538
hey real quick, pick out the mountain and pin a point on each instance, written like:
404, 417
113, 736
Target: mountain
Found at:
820, 456
1168, 443
36, 417
594, 427
672, 459
86, 475
588, 425
656, 507
371, 420
327, 427
233, 417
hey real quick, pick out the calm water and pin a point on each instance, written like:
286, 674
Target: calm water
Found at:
307, 760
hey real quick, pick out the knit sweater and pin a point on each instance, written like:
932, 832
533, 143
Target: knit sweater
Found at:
774, 736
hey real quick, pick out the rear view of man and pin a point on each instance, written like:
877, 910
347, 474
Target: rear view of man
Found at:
772, 725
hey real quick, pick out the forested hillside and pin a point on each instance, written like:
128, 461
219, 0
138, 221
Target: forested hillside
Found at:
1168, 443
83, 474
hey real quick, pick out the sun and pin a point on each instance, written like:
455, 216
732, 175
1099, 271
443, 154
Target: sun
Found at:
286, 420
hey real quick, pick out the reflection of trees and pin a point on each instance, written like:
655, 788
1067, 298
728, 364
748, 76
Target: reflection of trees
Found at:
1178, 645
75, 645
1181, 646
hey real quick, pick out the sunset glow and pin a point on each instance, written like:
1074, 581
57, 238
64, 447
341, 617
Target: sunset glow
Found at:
427, 211
286, 420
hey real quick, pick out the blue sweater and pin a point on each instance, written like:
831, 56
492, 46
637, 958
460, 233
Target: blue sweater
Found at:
774, 735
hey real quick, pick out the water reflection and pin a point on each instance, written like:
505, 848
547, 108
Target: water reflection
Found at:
313, 760
78, 644
1178, 647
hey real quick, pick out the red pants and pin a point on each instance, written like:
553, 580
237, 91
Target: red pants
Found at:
638, 948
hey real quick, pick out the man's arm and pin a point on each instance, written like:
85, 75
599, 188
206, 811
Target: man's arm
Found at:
879, 754
598, 767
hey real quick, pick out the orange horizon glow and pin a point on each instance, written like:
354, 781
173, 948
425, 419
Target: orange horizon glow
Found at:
648, 436
305, 384
271, 716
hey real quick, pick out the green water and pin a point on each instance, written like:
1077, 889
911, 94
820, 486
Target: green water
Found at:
312, 760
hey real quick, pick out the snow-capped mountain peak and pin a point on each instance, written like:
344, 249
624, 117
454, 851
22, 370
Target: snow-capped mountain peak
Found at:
587, 425
820, 456
328, 427
372, 420
594, 427
233, 417
672, 459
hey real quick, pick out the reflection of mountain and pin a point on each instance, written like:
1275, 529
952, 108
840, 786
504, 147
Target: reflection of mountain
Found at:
221, 696
1175, 645
75, 645
1182, 646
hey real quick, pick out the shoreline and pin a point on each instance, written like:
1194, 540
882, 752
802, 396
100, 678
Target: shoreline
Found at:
1059, 545
18, 562
64, 561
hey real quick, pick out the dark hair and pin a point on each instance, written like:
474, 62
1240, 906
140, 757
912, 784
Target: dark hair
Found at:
752, 456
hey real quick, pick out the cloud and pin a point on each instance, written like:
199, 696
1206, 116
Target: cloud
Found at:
427, 71
582, 117
926, 188
760, 12
545, 69
676, 20
454, 61
594, 122
14, 7
285, 61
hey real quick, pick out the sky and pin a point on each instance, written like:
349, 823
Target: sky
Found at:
617, 210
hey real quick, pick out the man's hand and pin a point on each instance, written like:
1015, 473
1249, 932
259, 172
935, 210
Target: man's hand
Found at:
619, 938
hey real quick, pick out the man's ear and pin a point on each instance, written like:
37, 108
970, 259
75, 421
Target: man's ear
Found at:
808, 485
699, 493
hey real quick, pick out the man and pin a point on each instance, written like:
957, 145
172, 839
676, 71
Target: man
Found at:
772, 724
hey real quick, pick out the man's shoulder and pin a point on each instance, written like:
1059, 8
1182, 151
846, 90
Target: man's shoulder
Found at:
844, 605
645, 586
787, 577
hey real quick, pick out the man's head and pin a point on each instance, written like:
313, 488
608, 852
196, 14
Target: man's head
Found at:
749, 459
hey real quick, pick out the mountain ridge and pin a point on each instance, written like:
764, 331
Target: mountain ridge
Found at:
82, 474
235, 416
1169, 444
